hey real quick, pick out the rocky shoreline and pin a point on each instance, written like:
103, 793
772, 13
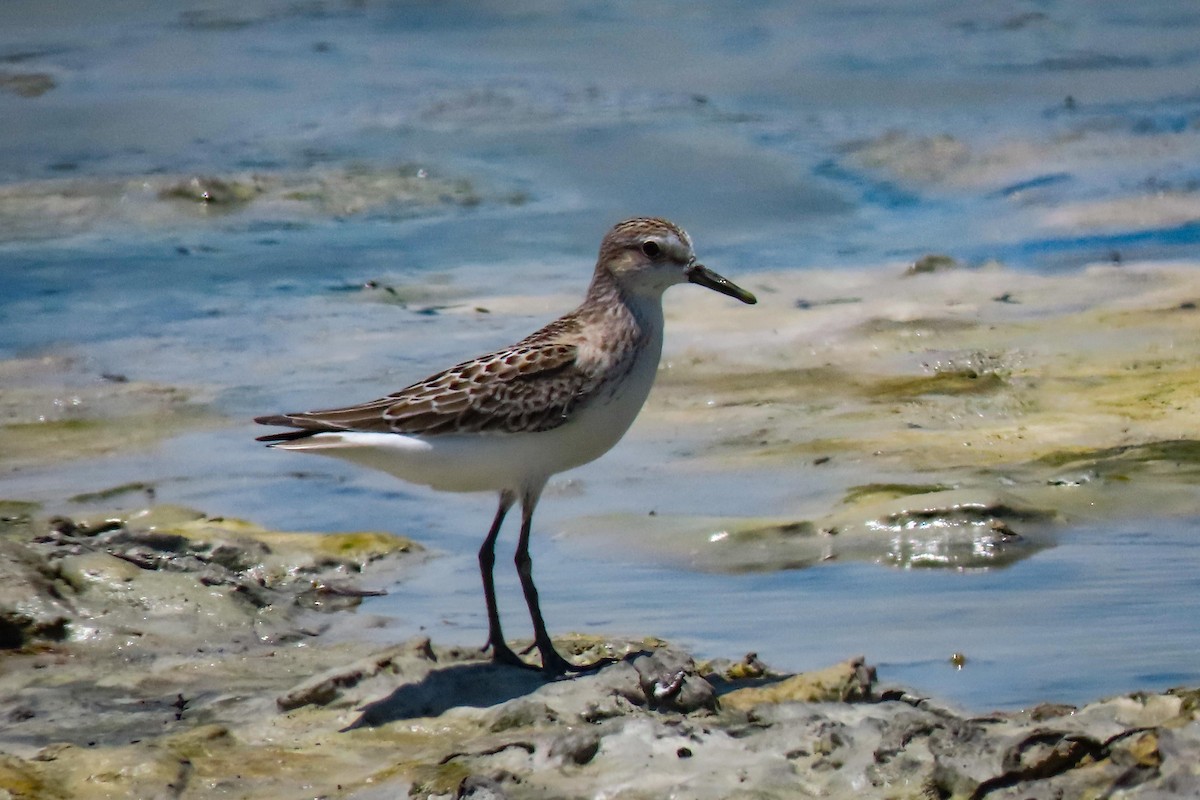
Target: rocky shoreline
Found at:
164, 653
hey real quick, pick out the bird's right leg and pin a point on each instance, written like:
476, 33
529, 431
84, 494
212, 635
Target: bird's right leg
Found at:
501, 652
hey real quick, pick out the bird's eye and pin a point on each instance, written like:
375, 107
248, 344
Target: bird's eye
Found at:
651, 249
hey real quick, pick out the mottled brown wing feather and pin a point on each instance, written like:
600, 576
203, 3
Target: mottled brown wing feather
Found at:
531, 386
528, 387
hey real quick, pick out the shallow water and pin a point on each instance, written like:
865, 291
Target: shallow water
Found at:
762, 128
1099, 612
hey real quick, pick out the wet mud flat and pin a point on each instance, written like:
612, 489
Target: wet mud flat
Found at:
933, 415
951, 418
164, 653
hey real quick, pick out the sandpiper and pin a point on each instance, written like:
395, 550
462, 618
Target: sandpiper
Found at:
508, 420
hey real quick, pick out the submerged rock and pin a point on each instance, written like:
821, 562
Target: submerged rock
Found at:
54, 409
892, 524
931, 262
912, 158
26, 84
56, 207
213, 191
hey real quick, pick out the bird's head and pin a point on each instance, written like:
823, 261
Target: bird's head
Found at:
648, 255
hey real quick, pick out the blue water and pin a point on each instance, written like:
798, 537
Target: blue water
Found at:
739, 120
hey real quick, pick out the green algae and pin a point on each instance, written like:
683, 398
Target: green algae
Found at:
202, 742
284, 552
18, 518
932, 262
921, 326
1180, 457
51, 428
437, 780
50, 412
23, 443
210, 191
112, 491
825, 383
763, 384
889, 491
1178, 451
364, 544
1012, 395
1189, 698
970, 512
941, 382
15, 510
777, 531
22, 779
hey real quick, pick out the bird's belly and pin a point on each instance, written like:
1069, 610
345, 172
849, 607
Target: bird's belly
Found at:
449, 462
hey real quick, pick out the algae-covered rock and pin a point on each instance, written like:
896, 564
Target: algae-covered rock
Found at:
240, 545
898, 525
931, 262
31, 607
173, 574
908, 157
850, 681
1179, 458
213, 191
421, 720
26, 84
57, 207
17, 518
111, 492
959, 528
52, 409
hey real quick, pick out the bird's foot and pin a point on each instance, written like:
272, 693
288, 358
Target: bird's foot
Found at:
503, 654
554, 665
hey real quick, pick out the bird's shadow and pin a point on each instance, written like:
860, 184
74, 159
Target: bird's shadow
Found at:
477, 685
474, 684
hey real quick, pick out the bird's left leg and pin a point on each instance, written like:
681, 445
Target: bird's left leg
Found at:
552, 662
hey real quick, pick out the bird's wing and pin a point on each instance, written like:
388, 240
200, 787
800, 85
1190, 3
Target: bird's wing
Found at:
531, 386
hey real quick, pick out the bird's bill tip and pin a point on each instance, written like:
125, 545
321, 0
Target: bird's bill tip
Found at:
703, 276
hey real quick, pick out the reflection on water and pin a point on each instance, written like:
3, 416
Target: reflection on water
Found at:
782, 136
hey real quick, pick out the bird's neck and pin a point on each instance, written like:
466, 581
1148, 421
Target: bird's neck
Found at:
604, 289
623, 329
605, 292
